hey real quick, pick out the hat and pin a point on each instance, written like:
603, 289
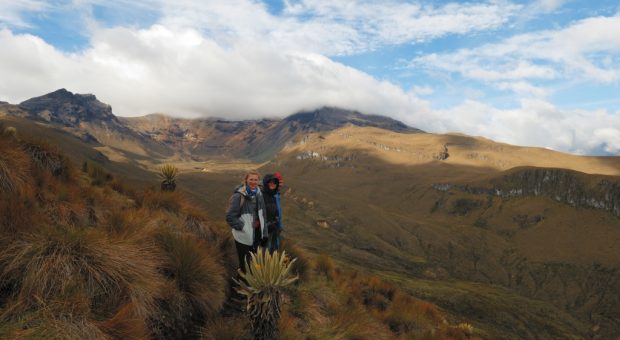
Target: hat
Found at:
278, 176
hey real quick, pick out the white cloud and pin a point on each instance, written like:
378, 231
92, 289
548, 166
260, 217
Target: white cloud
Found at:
524, 88
11, 11
538, 123
422, 90
584, 50
335, 27
156, 69
235, 59
547, 5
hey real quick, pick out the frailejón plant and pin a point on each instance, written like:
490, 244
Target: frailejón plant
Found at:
168, 174
262, 283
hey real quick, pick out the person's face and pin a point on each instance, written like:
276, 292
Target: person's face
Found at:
272, 185
252, 181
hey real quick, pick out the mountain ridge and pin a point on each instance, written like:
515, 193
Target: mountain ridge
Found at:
196, 138
422, 206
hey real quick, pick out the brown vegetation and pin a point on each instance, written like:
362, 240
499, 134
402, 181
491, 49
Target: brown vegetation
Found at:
82, 255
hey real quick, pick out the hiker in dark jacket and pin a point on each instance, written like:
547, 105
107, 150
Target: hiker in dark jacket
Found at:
273, 211
246, 217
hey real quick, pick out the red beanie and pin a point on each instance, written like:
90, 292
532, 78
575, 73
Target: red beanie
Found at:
278, 176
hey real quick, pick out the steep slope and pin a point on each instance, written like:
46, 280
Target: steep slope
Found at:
528, 228
455, 206
161, 137
82, 256
80, 150
86, 117
258, 140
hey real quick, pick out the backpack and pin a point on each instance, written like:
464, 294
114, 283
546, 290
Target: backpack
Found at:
241, 201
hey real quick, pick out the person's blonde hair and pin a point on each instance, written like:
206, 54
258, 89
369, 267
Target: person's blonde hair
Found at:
250, 173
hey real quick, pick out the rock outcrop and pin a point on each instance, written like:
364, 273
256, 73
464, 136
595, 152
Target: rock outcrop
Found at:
68, 109
566, 186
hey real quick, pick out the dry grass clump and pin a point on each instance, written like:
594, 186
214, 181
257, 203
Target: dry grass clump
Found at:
197, 222
98, 176
14, 168
196, 285
233, 328
302, 266
81, 260
169, 201
75, 275
49, 158
324, 265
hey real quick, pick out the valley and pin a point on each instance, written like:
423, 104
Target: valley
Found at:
520, 242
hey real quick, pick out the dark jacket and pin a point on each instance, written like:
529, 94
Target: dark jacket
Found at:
273, 211
240, 217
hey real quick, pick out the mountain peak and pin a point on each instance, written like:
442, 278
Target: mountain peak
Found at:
67, 108
329, 118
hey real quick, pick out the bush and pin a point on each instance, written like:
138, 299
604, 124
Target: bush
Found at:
262, 283
49, 158
226, 329
85, 267
196, 286
98, 176
14, 168
302, 266
324, 265
162, 200
463, 206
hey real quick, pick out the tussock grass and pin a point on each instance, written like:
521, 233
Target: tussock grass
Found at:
172, 202
60, 262
98, 176
302, 266
49, 158
196, 286
79, 259
15, 171
234, 328
197, 222
324, 265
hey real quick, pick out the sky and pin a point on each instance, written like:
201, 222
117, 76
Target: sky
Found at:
542, 73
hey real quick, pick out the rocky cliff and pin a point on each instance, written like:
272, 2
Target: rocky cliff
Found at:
566, 186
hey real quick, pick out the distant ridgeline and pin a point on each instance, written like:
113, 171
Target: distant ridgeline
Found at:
565, 186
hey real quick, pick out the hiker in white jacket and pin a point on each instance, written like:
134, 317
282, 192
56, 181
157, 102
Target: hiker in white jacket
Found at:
246, 217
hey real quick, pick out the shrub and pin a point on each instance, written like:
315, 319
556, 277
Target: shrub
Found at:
169, 201
302, 266
168, 174
98, 176
48, 158
101, 273
196, 222
324, 265
14, 168
10, 131
378, 293
262, 283
408, 316
196, 286
349, 322
463, 206
126, 324
226, 329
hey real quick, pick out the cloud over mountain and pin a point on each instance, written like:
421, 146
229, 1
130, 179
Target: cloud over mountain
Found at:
247, 59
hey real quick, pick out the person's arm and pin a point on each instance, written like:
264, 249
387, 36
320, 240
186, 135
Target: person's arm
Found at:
234, 212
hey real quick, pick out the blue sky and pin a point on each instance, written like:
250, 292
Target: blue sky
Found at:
540, 72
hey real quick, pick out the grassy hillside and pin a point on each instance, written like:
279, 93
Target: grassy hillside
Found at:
381, 202
83, 255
